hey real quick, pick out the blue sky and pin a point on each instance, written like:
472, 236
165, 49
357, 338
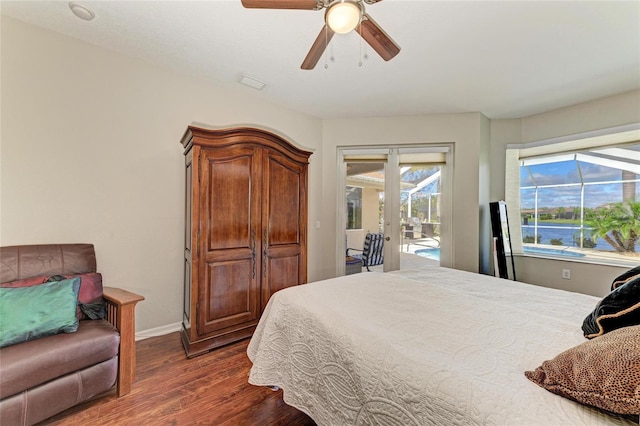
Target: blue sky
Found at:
567, 172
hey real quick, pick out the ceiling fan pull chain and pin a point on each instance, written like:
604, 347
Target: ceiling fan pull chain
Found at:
360, 57
326, 44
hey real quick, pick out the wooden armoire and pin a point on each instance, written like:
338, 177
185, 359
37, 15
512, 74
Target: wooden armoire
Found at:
245, 230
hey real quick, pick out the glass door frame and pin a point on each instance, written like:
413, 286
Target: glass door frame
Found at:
391, 226
390, 155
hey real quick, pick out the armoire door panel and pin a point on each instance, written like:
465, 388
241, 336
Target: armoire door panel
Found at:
188, 203
285, 180
282, 272
289, 250
231, 198
230, 296
186, 315
231, 254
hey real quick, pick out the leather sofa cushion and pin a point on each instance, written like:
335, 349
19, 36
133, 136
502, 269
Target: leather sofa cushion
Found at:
32, 363
19, 262
39, 403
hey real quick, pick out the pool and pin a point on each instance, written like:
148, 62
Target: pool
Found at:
551, 251
434, 253
430, 253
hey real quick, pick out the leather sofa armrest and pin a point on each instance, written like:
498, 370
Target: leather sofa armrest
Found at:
121, 314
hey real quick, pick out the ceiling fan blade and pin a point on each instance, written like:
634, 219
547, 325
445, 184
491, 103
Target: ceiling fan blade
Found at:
283, 4
317, 49
377, 38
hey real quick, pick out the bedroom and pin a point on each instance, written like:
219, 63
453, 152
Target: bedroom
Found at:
92, 136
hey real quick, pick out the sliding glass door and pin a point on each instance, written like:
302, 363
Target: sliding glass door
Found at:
366, 194
420, 213
396, 191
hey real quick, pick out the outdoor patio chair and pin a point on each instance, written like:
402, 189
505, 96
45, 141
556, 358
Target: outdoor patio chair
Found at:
371, 252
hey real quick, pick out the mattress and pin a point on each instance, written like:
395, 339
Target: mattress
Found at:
424, 347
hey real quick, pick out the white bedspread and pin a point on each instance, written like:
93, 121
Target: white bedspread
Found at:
441, 347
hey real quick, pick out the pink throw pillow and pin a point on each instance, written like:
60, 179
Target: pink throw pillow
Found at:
26, 282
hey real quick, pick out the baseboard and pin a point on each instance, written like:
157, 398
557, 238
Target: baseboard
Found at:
158, 331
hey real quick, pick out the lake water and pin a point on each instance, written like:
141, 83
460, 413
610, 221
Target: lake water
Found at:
570, 237
548, 231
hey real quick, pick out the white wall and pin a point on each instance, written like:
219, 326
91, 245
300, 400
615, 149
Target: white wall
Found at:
599, 114
370, 211
484, 197
90, 153
503, 132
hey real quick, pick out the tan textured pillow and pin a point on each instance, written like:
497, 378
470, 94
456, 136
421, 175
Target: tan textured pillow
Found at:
603, 372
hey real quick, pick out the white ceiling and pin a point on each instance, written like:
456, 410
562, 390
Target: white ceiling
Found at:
505, 59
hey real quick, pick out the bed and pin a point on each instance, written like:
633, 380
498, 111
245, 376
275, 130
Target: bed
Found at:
432, 346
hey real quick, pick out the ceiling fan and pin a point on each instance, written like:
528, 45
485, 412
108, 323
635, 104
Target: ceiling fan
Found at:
341, 16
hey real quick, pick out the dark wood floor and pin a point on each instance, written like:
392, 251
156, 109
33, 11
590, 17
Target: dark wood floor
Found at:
210, 389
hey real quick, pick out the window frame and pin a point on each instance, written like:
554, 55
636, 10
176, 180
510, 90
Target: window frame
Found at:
516, 154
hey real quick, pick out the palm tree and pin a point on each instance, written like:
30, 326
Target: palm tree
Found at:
618, 225
576, 213
628, 188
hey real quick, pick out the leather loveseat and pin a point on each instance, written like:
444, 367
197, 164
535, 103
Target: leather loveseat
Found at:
43, 376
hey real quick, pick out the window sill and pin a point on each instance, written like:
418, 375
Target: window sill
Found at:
592, 259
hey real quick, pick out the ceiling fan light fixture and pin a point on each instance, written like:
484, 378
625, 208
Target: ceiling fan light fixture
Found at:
343, 16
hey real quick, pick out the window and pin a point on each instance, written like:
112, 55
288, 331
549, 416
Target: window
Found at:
354, 207
578, 203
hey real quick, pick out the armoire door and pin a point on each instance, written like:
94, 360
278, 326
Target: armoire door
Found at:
284, 222
229, 239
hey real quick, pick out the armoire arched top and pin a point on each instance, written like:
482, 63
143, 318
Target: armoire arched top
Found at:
244, 136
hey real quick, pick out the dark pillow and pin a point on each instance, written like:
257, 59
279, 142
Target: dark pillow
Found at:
28, 313
620, 308
90, 299
603, 372
626, 277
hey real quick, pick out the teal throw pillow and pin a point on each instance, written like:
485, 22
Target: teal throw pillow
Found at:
27, 313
